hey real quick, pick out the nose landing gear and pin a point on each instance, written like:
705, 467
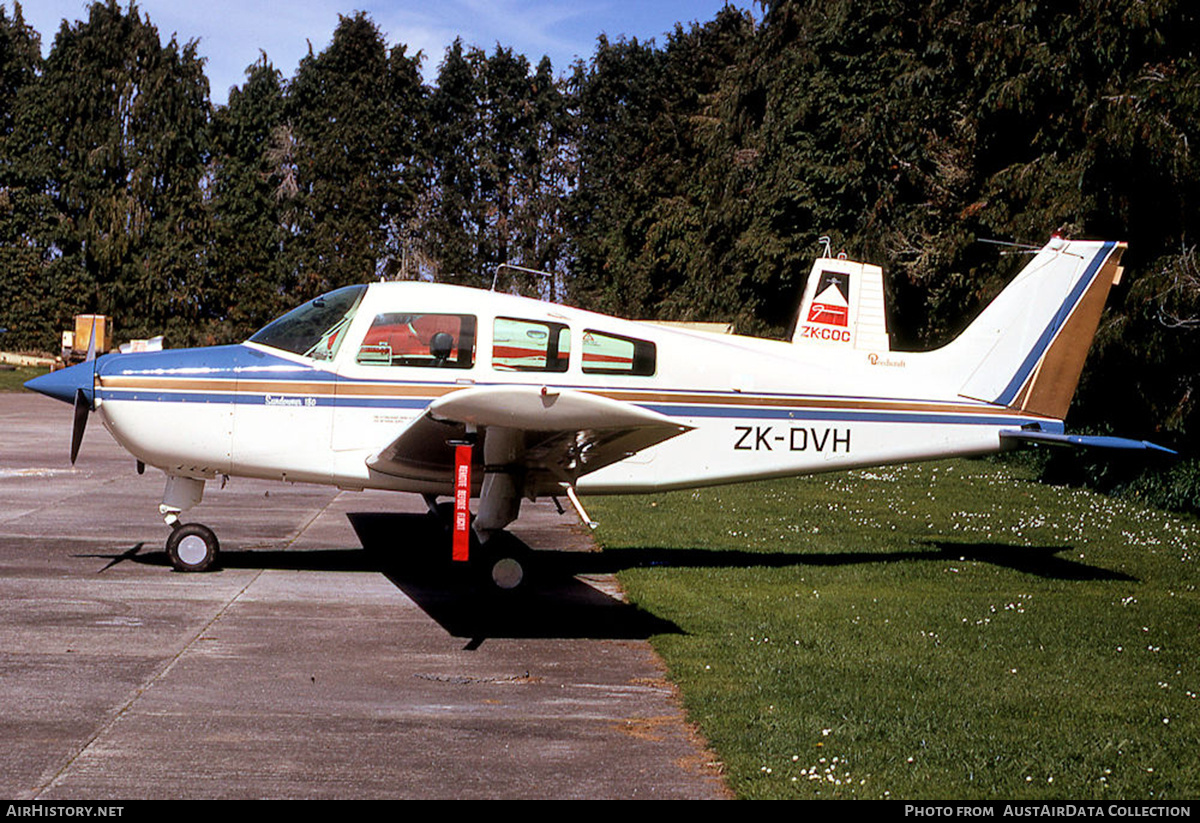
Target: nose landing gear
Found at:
193, 548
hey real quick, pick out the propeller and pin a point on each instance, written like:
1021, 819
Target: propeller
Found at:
83, 404
82, 409
74, 384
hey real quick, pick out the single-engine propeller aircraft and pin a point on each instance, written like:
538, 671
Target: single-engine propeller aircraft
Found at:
461, 393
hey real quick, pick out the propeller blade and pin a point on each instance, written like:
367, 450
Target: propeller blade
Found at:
82, 409
91, 352
82, 404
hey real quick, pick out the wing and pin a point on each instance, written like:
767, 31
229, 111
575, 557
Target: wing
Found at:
559, 434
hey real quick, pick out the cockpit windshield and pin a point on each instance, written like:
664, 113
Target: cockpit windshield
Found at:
317, 328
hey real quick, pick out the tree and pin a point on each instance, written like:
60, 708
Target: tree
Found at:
453, 217
651, 228
353, 112
114, 134
547, 167
24, 210
502, 164
618, 103
251, 190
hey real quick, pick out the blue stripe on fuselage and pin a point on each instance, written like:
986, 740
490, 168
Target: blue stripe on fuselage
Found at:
848, 415
263, 399
238, 362
707, 411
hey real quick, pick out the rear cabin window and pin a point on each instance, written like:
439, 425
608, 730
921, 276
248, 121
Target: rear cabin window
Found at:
444, 341
530, 345
605, 353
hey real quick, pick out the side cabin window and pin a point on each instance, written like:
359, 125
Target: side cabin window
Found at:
605, 353
530, 345
444, 341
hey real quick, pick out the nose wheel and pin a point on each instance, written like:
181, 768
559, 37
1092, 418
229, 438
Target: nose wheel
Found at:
192, 548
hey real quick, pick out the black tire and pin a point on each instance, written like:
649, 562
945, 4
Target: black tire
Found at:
193, 548
445, 514
504, 566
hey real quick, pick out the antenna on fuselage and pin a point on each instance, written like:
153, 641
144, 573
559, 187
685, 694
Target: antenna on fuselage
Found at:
496, 275
1018, 248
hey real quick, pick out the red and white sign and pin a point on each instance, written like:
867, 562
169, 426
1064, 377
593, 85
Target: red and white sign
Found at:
830, 307
462, 504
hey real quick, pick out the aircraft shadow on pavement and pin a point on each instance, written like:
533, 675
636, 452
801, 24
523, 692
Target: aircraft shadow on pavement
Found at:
1041, 561
413, 552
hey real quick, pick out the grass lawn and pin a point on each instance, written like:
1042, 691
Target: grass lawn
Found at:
14, 380
948, 630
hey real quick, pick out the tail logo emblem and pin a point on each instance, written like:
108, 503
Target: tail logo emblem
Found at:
831, 306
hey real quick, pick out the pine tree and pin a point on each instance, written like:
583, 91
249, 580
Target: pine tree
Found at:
349, 145
618, 104
455, 220
250, 194
651, 230
409, 166
114, 134
26, 311
546, 166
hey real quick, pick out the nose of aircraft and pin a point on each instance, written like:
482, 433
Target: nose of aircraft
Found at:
62, 384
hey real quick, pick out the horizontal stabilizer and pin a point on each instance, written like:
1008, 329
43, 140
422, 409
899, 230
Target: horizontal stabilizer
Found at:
1083, 441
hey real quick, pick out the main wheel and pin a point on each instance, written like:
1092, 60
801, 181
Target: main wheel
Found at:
193, 548
445, 514
504, 565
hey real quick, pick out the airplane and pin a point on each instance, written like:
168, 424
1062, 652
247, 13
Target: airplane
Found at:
460, 393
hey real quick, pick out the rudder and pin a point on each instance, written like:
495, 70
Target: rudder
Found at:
1029, 345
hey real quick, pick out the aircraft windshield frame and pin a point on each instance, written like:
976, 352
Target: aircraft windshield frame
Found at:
317, 328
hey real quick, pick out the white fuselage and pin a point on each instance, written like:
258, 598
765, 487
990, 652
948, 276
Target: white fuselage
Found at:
755, 408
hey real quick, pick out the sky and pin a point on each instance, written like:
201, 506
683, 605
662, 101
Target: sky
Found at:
232, 33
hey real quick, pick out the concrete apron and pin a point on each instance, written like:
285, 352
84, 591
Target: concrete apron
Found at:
306, 667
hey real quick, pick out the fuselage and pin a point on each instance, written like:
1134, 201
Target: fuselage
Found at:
277, 408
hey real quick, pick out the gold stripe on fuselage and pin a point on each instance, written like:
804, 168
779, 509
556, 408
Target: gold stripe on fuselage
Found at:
433, 391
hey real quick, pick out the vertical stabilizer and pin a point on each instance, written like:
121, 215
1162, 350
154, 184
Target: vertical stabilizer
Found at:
1027, 349
843, 307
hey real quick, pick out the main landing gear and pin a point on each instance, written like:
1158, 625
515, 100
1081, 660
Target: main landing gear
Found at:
500, 564
503, 565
